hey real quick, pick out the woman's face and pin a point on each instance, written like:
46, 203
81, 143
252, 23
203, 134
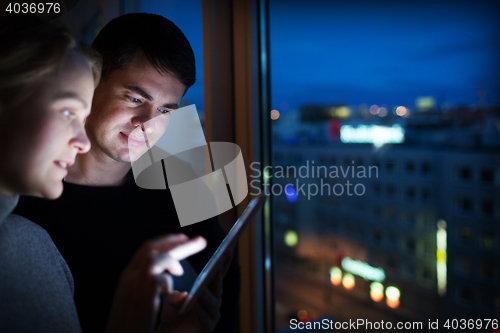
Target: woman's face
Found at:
41, 137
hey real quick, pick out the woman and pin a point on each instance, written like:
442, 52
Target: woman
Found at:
46, 86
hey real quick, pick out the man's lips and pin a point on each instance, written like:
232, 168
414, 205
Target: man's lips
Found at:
132, 141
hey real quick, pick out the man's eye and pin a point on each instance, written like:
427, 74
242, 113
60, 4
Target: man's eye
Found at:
164, 110
134, 100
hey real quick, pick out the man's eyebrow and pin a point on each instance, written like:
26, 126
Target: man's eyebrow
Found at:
173, 106
141, 92
72, 95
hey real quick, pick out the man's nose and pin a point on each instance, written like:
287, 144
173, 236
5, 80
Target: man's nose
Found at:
145, 120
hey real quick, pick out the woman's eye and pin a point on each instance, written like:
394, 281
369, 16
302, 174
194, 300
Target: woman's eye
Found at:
68, 113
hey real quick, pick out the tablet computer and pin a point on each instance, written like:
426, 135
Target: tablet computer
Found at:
212, 267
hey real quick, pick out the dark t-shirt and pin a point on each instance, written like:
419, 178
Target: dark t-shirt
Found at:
98, 229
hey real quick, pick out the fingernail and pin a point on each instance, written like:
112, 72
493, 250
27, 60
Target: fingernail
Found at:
179, 236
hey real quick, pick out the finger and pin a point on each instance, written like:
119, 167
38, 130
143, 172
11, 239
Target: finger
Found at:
163, 262
189, 248
176, 298
162, 240
170, 260
166, 282
141, 258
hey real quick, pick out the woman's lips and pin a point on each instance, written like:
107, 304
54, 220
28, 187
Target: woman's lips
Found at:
62, 166
133, 142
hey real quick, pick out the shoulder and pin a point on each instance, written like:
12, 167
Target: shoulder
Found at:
16, 226
26, 248
33, 275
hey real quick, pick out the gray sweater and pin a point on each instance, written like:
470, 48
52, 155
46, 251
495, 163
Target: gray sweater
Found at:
36, 286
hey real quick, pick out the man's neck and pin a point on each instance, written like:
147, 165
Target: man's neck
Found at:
94, 170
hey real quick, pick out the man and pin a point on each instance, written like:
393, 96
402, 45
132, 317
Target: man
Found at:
148, 65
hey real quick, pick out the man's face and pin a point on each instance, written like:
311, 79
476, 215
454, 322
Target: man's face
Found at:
137, 97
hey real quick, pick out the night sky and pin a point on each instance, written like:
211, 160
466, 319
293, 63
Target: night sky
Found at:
373, 52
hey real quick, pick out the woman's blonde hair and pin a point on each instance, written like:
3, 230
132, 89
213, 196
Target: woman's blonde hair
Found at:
29, 56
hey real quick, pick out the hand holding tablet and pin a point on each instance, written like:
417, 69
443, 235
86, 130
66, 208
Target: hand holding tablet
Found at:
215, 263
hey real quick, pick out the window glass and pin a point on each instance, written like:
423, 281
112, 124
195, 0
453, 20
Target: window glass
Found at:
399, 102
186, 14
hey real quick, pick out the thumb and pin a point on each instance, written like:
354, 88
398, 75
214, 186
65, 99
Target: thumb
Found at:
176, 298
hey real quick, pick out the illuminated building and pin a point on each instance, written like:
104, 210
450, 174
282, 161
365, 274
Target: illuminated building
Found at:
440, 269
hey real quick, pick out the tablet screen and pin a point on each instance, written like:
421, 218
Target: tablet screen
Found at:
213, 265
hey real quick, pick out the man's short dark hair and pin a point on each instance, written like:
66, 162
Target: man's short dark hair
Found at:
160, 41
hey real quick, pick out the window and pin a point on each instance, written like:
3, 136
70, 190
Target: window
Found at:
410, 193
392, 263
465, 205
390, 212
409, 167
465, 294
343, 41
392, 240
426, 194
487, 207
320, 73
426, 168
463, 265
426, 274
390, 190
187, 16
464, 174
391, 166
408, 270
409, 245
487, 176
487, 240
487, 271
465, 234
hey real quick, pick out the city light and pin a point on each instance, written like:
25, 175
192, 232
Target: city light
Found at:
374, 109
364, 270
275, 114
341, 112
291, 194
291, 238
382, 112
302, 314
392, 297
441, 257
267, 176
401, 111
336, 276
348, 281
376, 291
378, 135
425, 103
